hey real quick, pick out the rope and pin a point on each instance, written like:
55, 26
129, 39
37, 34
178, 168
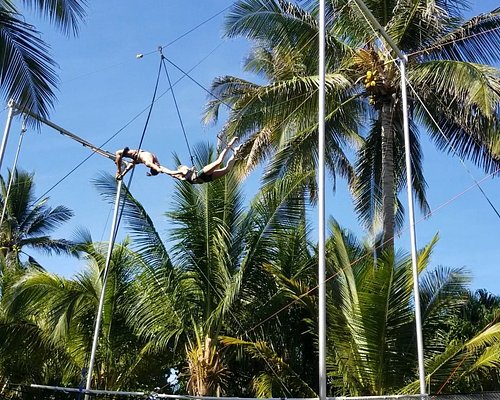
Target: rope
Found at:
12, 172
176, 105
451, 41
122, 128
129, 184
204, 88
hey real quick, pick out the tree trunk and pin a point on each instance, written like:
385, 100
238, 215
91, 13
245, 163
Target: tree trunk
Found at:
388, 199
205, 369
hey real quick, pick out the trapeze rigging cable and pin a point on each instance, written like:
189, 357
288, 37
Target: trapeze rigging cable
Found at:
453, 149
176, 105
140, 55
151, 105
198, 83
452, 41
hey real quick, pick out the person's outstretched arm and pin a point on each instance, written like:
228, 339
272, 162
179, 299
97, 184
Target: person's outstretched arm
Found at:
129, 166
177, 174
118, 162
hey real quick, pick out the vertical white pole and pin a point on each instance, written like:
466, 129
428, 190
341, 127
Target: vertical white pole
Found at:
6, 131
321, 207
402, 60
16, 158
103, 290
413, 241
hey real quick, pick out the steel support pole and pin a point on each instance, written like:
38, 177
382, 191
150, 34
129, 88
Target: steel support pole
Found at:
6, 131
321, 208
411, 214
16, 158
413, 240
103, 290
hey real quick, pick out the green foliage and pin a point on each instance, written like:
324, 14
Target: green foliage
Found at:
231, 301
448, 75
27, 70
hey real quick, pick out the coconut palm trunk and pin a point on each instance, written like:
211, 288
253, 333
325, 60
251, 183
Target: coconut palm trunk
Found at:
388, 194
206, 370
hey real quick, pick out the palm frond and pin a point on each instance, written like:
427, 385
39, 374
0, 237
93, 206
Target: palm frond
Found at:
147, 241
27, 71
287, 381
475, 40
65, 14
465, 111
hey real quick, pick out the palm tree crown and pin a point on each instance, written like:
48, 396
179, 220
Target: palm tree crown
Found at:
27, 70
448, 68
27, 223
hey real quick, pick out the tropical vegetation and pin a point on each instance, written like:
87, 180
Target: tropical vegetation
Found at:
233, 306
225, 304
28, 71
453, 89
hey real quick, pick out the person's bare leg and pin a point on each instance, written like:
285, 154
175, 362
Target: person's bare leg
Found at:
218, 173
232, 141
210, 168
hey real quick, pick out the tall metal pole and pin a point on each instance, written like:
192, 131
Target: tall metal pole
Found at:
103, 290
411, 214
321, 208
14, 166
6, 131
413, 240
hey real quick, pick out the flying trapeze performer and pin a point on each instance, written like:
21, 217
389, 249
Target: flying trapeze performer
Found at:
207, 174
210, 171
138, 157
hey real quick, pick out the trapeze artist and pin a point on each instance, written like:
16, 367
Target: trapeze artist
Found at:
183, 173
210, 171
138, 157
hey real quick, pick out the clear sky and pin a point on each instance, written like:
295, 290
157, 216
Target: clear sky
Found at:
105, 90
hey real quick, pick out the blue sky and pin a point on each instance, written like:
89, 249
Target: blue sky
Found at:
105, 89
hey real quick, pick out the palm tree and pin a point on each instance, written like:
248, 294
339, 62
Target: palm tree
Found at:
56, 315
204, 292
468, 341
371, 347
448, 67
27, 70
28, 222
